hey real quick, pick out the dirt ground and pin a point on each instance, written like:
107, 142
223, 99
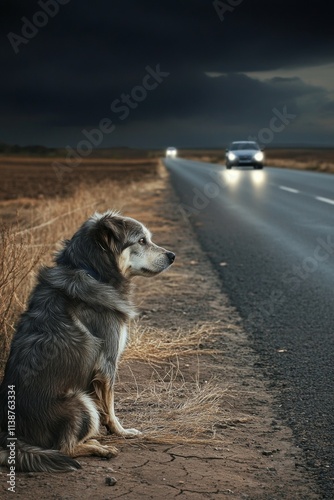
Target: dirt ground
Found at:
246, 453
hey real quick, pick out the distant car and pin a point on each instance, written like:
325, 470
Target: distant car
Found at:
244, 153
171, 152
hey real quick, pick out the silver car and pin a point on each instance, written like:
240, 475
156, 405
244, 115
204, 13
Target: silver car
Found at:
244, 153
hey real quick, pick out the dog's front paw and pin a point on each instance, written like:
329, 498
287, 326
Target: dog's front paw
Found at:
115, 427
130, 433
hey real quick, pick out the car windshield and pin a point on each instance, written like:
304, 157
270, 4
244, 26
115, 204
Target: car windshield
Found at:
235, 146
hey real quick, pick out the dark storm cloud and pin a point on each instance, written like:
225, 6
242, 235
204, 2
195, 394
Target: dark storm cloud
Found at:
89, 54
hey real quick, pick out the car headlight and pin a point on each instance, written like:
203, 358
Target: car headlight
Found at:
231, 156
172, 152
259, 156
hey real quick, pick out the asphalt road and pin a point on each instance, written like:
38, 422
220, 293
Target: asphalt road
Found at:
270, 235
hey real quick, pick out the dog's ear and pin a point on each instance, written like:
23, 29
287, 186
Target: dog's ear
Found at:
110, 233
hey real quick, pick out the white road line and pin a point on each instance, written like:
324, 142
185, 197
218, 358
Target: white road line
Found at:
291, 190
325, 200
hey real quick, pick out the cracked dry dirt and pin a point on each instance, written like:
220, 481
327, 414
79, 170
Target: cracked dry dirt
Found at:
249, 453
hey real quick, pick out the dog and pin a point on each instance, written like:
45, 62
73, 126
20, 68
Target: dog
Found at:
60, 374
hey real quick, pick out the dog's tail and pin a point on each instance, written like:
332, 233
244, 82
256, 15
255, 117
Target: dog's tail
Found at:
27, 458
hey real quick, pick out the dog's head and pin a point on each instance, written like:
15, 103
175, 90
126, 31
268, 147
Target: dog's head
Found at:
108, 241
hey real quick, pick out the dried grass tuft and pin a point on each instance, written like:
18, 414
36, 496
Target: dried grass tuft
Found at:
174, 407
155, 345
170, 412
186, 412
17, 263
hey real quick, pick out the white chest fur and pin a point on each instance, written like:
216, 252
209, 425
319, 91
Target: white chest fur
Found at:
122, 340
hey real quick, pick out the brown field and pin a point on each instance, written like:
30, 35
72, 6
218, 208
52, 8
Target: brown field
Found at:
35, 178
321, 160
186, 379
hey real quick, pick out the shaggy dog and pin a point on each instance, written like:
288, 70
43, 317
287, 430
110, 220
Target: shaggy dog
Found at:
60, 374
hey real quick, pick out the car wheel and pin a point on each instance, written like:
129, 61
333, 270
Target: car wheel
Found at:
228, 167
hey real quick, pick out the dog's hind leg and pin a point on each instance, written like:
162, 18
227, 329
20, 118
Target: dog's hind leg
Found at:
92, 447
77, 433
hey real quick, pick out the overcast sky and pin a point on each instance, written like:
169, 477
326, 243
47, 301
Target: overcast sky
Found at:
155, 73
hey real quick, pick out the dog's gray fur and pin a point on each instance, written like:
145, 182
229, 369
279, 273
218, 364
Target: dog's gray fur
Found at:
64, 355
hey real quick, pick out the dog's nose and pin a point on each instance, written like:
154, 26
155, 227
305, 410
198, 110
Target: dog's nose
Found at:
171, 257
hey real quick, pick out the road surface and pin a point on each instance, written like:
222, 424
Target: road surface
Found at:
270, 235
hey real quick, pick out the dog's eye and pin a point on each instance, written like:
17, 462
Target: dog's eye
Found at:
142, 241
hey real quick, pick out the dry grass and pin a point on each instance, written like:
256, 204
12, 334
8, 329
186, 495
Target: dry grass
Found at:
169, 411
175, 406
17, 261
154, 345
